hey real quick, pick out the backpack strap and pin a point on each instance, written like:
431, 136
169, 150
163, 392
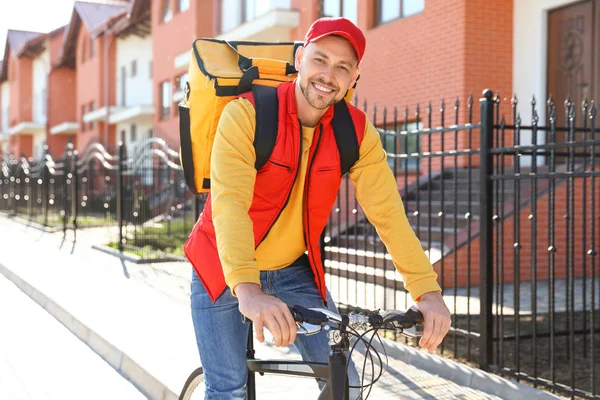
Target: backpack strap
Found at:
345, 136
267, 124
266, 105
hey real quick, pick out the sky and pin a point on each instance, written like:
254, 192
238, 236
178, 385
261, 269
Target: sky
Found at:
32, 15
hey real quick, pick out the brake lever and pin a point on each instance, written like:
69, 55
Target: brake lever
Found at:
410, 323
308, 329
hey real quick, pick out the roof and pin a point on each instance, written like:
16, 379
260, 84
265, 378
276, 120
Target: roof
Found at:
20, 43
95, 17
136, 22
18, 40
138, 10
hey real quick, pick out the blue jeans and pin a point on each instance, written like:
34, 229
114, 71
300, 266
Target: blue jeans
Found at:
222, 336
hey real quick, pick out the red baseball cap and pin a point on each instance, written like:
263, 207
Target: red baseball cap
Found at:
337, 26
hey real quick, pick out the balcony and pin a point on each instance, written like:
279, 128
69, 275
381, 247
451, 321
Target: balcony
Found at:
99, 115
131, 114
27, 128
274, 25
65, 128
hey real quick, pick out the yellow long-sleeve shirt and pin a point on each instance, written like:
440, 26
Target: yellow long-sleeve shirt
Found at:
232, 183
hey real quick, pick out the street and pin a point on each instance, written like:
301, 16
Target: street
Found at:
41, 359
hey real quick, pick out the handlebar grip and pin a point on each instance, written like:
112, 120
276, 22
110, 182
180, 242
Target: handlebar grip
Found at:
413, 314
303, 314
296, 314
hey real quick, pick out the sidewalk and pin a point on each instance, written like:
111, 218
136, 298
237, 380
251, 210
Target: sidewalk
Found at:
136, 317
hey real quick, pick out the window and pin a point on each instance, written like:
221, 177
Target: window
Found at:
232, 15
91, 108
83, 51
180, 82
165, 91
123, 85
389, 10
133, 133
133, 68
44, 102
340, 8
183, 5
91, 48
83, 112
167, 13
150, 70
236, 12
395, 144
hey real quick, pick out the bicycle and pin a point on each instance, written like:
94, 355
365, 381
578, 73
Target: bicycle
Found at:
339, 327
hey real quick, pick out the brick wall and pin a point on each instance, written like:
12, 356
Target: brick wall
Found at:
169, 40
20, 75
62, 92
21, 145
91, 86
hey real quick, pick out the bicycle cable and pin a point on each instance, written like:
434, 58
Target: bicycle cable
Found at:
368, 354
369, 349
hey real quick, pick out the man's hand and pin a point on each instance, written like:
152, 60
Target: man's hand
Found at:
267, 310
436, 320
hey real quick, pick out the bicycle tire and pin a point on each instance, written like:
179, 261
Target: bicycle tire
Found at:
194, 387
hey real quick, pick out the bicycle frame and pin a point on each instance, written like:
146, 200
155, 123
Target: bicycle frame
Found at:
334, 371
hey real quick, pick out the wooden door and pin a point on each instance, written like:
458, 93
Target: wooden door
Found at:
573, 57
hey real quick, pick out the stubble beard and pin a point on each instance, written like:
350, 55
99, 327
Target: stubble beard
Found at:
314, 100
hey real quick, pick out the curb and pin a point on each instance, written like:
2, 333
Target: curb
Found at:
121, 362
462, 374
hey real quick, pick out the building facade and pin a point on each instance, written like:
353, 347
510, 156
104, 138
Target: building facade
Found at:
118, 69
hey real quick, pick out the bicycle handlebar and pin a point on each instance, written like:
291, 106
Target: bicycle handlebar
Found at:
314, 320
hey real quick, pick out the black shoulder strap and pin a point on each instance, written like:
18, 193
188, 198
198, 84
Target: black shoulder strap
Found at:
267, 123
345, 135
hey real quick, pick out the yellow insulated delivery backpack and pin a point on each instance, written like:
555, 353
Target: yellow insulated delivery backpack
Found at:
219, 72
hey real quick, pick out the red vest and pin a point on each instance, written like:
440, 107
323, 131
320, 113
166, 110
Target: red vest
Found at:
275, 182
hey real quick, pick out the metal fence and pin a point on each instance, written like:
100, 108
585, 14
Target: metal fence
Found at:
506, 212
134, 200
512, 239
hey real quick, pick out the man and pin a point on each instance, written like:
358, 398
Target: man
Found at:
255, 249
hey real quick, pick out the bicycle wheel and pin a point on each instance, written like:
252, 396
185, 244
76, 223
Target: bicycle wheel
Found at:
193, 389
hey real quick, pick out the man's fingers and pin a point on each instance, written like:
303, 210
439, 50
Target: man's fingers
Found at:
437, 336
260, 333
441, 328
434, 334
427, 331
446, 328
274, 328
285, 329
291, 325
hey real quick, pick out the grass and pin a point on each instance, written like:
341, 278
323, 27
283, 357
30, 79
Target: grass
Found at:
55, 220
151, 240
156, 240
